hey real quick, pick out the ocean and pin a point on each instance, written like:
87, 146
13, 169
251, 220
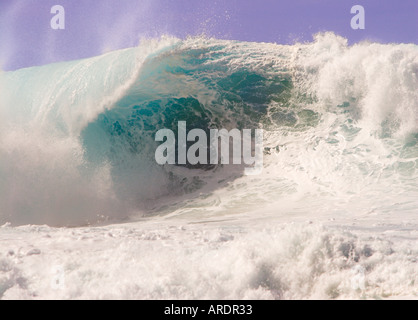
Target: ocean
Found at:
87, 213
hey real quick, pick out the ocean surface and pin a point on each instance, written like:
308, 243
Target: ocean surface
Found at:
87, 213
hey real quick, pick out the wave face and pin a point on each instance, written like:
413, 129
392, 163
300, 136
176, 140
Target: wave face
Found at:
341, 130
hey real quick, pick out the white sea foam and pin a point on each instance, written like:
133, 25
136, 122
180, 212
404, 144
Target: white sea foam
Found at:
171, 260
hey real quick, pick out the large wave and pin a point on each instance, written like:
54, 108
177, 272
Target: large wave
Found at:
341, 123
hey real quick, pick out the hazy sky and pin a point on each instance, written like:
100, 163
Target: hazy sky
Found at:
96, 26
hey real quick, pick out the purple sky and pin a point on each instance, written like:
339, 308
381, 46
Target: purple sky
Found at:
96, 26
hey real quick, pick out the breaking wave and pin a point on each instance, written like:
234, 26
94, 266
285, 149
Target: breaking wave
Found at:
341, 123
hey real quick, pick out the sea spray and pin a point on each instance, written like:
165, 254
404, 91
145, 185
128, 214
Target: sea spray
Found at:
77, 139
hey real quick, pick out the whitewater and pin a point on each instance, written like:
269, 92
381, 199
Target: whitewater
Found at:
87, 213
